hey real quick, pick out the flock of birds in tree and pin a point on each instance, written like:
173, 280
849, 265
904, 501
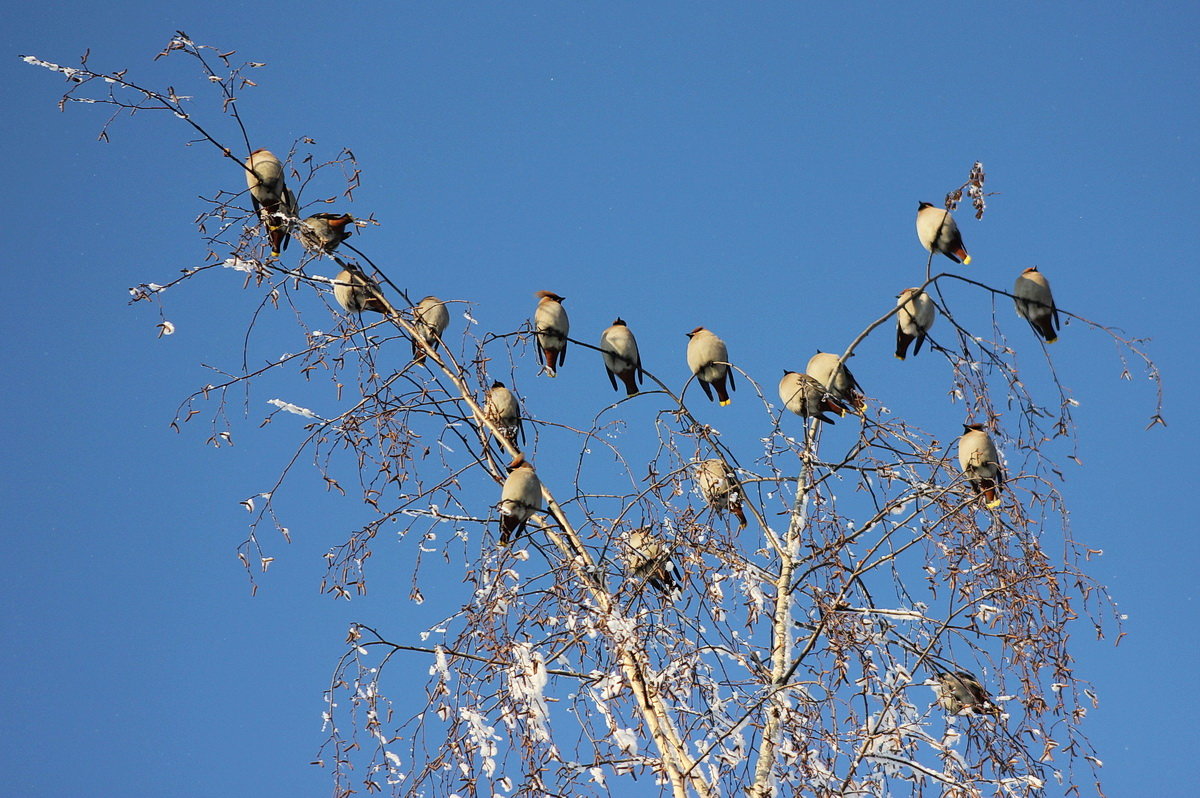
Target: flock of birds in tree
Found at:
825, 387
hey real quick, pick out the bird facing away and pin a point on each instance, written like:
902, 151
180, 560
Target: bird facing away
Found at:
648, 560
430, 319
707, 357
960, 691
913, 320
322, 232
356, 292
720, 488
806, 397
621, 358
273, 200
939, 233
551, 324
980, 462
1035, 303
520, 498
823, 367
501, 406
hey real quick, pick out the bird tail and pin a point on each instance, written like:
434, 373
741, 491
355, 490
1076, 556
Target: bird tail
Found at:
902, 342
736, 508
630, 379
722, 393
963, 256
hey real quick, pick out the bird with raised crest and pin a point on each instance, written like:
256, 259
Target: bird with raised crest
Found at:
551, 324
520, 498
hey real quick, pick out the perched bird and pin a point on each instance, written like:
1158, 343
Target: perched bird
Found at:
806, 397
720, 488
1035, 303
322, 232
913, 320
501, 406
430, 319
648, 559
621, 358
356, 292
939, 233
980, 462
551, 324
520, 498
707, 357
824, 368
960, 691
273, 200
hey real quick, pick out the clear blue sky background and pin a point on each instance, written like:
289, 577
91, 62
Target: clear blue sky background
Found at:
755, 171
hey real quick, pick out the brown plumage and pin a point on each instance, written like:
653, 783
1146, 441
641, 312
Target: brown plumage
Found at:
938, 232
356, 292
647, 559
707, 357
824, 368
430, 319
1035, 303
520, 498
913, 320
720, 488
960, 692
621, 358
551, 324
273, 200
806, 397
980, 462
322, 232
501, 406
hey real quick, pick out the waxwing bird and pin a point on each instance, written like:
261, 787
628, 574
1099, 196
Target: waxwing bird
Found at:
708, 358
980, 462
356, 292
273, 200
430, 319
621, 358
960, 691
322, 232
501, 406
1035, 303
647, 559
520, 498
824, 368
720, 488
551, 324
939, 233
806, 397
913, 320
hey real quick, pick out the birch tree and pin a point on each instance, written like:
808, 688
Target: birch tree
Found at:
815, 649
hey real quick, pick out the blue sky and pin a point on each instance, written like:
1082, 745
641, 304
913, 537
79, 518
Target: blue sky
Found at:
754, 171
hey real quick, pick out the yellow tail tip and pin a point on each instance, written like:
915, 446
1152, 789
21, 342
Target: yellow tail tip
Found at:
967, 261
899, 357
725, 402
1052, 340
993, 504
